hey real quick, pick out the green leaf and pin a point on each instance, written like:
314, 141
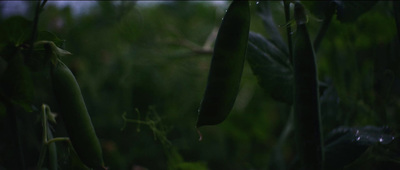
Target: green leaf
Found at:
379, 156
15, 30
48, 36
345, 144
16, 82
271, 66
264, 12
330, 106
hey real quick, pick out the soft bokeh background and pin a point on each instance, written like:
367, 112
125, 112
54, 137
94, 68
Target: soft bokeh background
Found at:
150, 61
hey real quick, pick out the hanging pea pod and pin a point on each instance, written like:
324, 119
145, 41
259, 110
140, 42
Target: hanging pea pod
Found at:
306, 104
76, 117
226, 65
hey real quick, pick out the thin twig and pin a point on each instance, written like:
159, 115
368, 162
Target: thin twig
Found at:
44, 137
39, 8
35, 22
46, 141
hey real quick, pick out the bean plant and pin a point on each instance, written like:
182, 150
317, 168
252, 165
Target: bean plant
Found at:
285, 60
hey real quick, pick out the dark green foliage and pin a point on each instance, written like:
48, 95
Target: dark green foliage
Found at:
149, 60
15, 30
378, 156
344, 145
17, 83
45, 35
15, 77
226, 65
272, 68
264, 11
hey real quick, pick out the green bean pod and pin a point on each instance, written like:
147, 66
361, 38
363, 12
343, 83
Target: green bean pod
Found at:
306, 102
75, 116
226, 65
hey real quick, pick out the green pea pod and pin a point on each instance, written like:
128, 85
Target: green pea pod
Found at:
306, 104
226, 65
76, 117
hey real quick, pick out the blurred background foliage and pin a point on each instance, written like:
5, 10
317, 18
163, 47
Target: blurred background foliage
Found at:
150, 63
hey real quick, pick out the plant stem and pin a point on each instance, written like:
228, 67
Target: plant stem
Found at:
288, 29
39, 8
44, 123
35, 23
44, 137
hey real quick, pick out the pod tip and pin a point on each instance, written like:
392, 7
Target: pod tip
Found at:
200, 135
